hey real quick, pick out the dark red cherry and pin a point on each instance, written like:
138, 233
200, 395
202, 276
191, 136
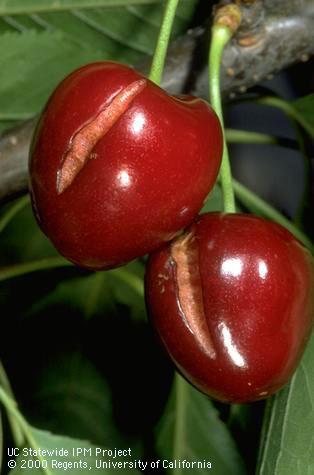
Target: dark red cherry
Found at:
118, 166
232, 300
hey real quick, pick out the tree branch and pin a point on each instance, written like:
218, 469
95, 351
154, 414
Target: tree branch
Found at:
274, 35
269, 40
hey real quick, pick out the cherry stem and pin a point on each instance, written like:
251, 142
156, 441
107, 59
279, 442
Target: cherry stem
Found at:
159, 57
220, 37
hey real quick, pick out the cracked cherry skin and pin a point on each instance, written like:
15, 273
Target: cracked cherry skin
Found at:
232, 301
118, 166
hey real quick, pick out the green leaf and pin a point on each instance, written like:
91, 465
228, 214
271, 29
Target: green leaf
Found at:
38, 50
73, 462
305, 110
78, 363
113, 23
73, 398
90, 33
288, 442
1, 441
127, 288
191, 429
12, 210
13, 7
89, 295
22, 240
32, 64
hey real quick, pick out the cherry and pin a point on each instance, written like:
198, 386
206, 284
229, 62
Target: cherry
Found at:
232, 300
118, 166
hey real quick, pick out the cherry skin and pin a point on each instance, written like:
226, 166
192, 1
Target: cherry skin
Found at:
118, 166
233, 302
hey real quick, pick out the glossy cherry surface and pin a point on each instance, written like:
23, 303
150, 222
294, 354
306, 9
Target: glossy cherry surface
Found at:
233, 302
118, 166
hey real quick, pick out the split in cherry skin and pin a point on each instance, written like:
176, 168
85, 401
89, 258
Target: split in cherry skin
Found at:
232, 301
118, 166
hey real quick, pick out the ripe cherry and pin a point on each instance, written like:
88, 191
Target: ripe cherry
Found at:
232, 300
118, 166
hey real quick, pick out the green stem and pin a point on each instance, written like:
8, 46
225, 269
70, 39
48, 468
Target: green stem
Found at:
11, 407
15, 208
250, 199
220, 37
158, 62
17, 434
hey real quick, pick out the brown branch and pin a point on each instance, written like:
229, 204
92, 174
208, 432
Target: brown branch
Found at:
274, 34
266, 43
14, 147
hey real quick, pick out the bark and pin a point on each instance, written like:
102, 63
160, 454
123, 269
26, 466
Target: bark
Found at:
274, 34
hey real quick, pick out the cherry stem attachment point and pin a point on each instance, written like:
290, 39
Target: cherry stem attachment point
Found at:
227, 20
159, 57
